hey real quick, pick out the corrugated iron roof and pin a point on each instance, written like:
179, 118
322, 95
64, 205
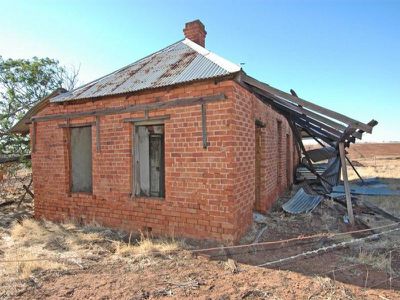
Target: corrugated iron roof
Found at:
181, 62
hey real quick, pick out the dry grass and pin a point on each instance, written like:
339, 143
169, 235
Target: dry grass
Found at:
24, 263
390, 204
330, 289
376, 260
388, 170
146, 247
146, 252
34, 246
383, 168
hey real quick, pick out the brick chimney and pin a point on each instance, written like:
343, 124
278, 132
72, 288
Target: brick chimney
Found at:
196, 32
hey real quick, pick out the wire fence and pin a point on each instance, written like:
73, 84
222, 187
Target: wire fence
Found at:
255, 245
249, 248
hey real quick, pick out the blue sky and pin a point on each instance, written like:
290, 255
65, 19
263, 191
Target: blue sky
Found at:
344, 55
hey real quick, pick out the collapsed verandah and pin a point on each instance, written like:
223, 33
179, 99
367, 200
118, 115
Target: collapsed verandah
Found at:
331, 130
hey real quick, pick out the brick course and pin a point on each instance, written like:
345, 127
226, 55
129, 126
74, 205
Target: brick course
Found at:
210, 193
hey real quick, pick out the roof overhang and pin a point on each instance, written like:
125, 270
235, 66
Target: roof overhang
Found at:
22, 126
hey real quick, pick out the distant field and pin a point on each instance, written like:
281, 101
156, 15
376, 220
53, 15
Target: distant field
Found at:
370, 150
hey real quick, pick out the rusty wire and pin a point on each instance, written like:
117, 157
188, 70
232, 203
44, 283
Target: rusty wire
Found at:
299, 238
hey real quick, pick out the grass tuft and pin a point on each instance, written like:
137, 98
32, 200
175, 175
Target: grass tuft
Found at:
147, 247
378, 261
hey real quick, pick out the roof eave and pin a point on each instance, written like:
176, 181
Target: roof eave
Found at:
22, 127
149, 89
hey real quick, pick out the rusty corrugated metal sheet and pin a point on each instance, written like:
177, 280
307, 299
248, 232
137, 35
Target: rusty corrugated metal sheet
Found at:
302, 202
322, 153
178, 63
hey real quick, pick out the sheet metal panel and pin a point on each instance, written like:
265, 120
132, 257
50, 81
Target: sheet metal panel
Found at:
332, 172
302, 202
366, 190
320, 154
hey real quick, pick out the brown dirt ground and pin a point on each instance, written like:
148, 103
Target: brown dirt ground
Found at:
227, 274
371, 150
189, 277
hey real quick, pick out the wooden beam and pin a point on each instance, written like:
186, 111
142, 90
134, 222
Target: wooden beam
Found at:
314, 138
286, 107
310, 165
68, 140
134, 169
26, 191
355, 134
346, 134
328, 125
204, 125
149, 119
177, 102
33, 137
76, 125
371, 123
327, 139
300, 110
288, 97
354, 168
26, 188
346, 183
260, 123
98, 134
296, 113
4, 160
310, 124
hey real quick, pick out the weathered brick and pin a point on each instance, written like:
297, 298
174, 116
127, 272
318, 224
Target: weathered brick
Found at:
210, 193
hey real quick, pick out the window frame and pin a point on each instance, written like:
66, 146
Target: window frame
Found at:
135, 185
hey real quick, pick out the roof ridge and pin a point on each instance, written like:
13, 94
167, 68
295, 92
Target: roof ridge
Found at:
215, 58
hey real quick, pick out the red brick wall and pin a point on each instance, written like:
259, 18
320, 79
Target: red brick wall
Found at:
247, 109
209, 192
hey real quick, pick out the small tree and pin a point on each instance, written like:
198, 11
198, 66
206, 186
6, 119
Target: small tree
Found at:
23, 82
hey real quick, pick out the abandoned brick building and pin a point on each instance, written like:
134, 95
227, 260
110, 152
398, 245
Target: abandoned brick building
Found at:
176, 143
